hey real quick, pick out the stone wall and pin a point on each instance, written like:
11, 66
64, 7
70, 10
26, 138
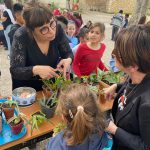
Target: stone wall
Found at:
95, 5
110, 6
126, 5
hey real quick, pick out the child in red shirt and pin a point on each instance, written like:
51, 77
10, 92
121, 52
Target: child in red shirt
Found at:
88, 56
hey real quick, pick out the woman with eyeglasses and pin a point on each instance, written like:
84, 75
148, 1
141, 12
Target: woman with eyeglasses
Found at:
131, 108
39, 49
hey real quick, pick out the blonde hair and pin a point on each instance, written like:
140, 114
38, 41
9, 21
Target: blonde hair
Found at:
80, 108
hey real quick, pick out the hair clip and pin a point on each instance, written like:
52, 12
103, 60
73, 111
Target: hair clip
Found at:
70, 113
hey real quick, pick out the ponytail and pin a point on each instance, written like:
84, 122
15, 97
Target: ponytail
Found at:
81, 112
80, 126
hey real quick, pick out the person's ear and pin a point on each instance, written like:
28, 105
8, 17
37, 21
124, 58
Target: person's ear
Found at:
133, 68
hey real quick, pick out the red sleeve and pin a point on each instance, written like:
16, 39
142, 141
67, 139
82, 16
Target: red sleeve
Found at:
76, 62
101, 65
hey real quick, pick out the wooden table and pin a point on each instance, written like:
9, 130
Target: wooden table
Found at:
45, 130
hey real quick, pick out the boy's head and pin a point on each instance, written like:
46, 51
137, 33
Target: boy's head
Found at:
126, 16
18, 9
121, 11
62, 21
71, 28
96, 32
83, 35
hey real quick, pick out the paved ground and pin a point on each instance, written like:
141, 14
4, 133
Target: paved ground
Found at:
5, 81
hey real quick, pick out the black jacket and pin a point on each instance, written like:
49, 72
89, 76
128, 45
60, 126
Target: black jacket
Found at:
134, 120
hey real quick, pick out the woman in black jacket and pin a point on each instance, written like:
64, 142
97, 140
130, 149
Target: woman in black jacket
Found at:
131, 108
39, 49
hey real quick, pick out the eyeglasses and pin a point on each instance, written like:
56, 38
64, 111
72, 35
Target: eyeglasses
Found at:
45, 30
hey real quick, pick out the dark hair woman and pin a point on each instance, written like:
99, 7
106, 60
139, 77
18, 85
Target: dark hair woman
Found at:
131, 108
39, 49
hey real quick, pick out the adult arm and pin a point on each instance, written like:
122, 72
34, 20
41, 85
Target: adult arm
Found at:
102, 66
18, 62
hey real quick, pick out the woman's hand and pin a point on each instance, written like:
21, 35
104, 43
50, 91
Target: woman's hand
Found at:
112, 128
63, 65
45, 72
110, 91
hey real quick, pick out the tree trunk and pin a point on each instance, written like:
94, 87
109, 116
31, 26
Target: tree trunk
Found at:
144, 7
140, 10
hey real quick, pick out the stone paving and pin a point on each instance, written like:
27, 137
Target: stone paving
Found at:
5, 80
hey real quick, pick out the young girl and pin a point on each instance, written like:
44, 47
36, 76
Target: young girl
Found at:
71, 29
85, 123
88, 56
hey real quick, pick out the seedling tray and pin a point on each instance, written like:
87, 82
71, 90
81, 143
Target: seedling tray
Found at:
6, 135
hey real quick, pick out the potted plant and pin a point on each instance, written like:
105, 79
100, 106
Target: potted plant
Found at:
49, 86
48, 105
56, 84
8, 108
36, 119
16, 124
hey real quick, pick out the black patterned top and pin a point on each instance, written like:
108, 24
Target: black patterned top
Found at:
26, 54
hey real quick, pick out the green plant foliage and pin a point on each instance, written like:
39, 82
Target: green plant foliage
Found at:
112, 77
11, 102
96, 77
85, 79
35, 120
56, 83
59, 128
49, 102
94, 88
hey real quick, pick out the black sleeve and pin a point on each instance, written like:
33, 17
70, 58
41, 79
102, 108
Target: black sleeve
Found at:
129, 140
12, 32
18, 67
136, 142
63, 44
119, 85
